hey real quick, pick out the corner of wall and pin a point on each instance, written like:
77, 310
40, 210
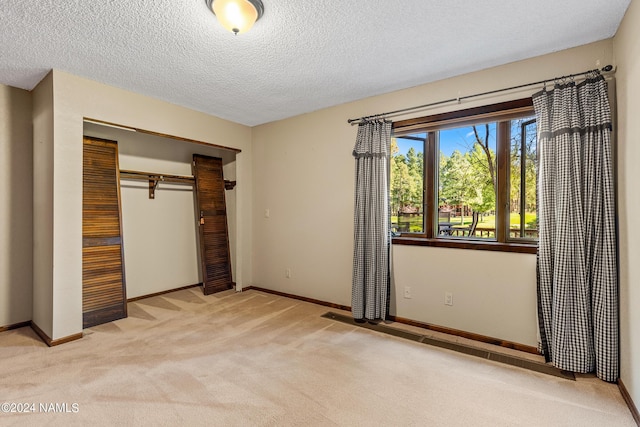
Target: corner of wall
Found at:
42, 116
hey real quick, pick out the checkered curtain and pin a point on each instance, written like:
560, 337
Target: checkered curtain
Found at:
371, 221
577, 274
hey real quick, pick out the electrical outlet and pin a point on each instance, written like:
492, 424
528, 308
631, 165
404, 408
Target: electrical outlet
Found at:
448, 298
407, 292
267, 213
287, 273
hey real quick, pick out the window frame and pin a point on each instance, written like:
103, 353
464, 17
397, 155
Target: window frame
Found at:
501, 113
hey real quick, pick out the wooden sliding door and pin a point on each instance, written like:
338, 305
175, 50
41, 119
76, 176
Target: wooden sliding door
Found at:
103, 281
214, 238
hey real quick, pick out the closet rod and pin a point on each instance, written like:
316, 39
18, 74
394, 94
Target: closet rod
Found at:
149, 176
605, 69
155, 178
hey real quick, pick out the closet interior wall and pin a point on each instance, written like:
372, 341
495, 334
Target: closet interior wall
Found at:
160, 235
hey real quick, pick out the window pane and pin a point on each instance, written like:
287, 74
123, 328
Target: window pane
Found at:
523, 179
407, 190
467, 178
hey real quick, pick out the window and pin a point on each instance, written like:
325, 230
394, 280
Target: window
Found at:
466, 177
523, 179
407, 182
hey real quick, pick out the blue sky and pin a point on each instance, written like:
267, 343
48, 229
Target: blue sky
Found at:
460, 139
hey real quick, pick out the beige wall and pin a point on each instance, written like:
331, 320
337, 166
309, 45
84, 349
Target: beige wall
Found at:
76, 98
43, 204
16, 206
160, 235
303, 173
487, 287
627, 52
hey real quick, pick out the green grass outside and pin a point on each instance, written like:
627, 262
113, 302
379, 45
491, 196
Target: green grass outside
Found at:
487, 221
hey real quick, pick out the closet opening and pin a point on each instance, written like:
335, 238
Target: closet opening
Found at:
162, 218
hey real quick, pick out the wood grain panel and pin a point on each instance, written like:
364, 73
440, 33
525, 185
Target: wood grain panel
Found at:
212, 210
101, 276
103, 284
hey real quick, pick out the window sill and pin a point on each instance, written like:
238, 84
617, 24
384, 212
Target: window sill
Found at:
524, 248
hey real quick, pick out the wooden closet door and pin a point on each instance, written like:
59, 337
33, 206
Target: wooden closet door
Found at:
103, 281
214, 238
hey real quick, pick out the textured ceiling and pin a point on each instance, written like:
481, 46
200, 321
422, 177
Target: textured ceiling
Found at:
301, 56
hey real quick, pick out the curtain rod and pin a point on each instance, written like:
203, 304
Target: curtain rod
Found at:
605, 69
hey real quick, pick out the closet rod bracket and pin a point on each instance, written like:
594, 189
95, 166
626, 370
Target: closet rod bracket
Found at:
153, 183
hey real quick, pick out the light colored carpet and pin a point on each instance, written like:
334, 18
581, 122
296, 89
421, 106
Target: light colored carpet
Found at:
236, 359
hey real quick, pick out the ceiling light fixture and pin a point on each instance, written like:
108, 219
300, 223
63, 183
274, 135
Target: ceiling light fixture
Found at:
237, 16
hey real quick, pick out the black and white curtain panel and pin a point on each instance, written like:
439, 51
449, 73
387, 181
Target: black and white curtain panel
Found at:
577, 273
371, 221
